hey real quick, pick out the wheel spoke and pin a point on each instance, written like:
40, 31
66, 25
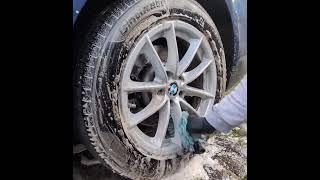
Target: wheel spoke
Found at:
175, 112
191, 91
135, 86
189, 55
153, 57
164, 116
173, 54
156, 103
196, 72
188, 107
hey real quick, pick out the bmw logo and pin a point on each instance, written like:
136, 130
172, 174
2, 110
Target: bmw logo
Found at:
173, 89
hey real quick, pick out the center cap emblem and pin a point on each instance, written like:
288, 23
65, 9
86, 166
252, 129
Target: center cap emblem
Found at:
173, 89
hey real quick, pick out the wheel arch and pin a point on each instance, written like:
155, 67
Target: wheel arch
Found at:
225, 16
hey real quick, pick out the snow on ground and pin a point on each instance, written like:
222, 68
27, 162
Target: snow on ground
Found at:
225, 158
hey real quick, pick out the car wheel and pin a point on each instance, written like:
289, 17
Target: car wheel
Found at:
141, 64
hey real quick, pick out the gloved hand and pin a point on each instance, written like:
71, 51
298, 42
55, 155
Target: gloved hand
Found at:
199, 125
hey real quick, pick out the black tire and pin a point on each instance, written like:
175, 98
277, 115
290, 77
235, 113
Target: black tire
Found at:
98, 66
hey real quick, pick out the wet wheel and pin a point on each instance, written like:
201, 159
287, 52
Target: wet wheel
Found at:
142, 64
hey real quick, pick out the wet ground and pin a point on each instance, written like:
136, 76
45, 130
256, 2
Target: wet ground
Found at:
94, 172
225, 158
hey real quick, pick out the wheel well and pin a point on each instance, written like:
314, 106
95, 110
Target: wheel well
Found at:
217, 9
221, 16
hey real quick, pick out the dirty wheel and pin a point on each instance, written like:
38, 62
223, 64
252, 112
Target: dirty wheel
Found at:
142, 64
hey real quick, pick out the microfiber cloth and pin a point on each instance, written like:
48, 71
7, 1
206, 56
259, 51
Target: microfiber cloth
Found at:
188, 140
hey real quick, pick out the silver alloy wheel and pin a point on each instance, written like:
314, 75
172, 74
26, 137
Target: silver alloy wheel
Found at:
168, 87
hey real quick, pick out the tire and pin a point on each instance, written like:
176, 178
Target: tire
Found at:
99, 65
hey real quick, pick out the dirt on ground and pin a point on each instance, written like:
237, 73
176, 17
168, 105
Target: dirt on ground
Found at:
225, 159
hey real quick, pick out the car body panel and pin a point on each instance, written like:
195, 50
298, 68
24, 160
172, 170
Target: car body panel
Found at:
77, 6
238, 11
